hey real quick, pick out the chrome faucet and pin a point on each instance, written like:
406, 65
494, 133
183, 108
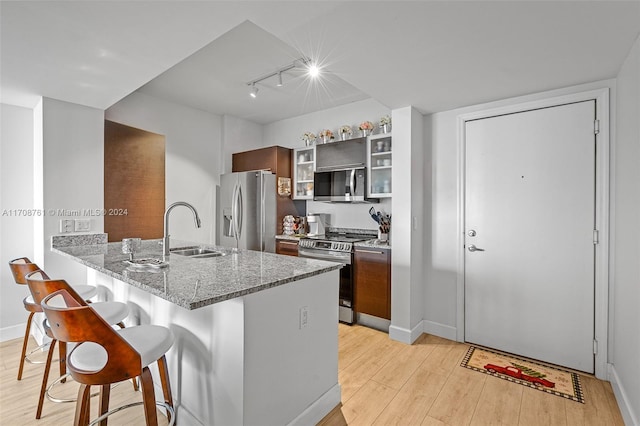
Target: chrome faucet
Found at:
165, 239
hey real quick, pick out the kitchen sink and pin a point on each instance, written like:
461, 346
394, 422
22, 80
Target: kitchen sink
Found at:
197, 252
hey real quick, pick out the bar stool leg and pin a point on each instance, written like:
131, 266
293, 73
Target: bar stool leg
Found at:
83, 406
105, 391
166, 385
63, 360
45, 378
148, 397
24, 345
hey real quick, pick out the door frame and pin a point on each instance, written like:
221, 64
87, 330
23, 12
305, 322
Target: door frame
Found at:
601, 305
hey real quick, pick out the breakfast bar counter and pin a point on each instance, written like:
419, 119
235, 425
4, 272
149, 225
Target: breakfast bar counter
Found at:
256, 334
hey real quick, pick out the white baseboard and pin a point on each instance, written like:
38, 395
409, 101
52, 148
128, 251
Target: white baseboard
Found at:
440, 330
626, 409
373, 322
320, 408
12, 332
405, 335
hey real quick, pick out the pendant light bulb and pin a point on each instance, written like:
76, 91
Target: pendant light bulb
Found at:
279, 84
254, 91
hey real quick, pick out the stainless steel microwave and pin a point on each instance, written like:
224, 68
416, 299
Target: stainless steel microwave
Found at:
341, 186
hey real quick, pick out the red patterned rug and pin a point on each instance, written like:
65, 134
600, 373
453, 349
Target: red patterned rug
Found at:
542, 377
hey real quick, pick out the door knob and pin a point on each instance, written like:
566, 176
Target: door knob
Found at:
471, 233
473, 248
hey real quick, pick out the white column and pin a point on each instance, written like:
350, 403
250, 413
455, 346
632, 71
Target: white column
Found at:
406, 241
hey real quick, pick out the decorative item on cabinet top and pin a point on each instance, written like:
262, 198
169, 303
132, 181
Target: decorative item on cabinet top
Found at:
366, 127
326, 135
345, 132
308, 138
385, 124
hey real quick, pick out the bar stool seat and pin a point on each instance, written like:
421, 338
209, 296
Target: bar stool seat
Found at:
150, 341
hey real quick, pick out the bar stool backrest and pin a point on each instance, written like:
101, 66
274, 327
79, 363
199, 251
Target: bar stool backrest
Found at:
71, 321
20, 268
41, 286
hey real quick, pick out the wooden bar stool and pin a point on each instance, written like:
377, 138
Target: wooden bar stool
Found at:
19, 268
40, 286
105, 356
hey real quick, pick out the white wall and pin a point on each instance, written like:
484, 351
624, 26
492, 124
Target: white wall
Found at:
238, 135
287, 133
625, 272
72, 177
441, 202
16, 227
193, 157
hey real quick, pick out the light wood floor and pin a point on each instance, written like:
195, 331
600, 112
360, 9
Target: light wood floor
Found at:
19, 399
388, 383
383, 383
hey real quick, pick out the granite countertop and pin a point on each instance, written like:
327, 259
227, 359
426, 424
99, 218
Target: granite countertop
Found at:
191, 282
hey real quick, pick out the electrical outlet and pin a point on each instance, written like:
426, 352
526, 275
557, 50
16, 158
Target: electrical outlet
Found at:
304, 317
67, 225
83, 225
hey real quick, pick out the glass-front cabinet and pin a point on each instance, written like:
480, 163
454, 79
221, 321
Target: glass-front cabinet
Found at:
304, 165
379, 149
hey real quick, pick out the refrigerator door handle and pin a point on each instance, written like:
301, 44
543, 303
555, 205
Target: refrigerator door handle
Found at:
234, 213
239, 207
262, 212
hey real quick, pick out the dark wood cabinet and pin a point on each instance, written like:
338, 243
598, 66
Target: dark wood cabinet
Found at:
372, 281
278, 160
287, 247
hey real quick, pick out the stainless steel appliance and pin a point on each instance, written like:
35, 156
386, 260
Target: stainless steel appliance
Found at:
336, 247
348, 185
316, 224
343, 155
247, 211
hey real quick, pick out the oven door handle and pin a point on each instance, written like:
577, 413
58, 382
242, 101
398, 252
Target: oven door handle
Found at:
316, 255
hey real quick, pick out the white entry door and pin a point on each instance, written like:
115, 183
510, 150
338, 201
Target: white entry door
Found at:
529, 234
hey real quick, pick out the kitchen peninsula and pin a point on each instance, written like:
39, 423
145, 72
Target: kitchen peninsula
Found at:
256, 334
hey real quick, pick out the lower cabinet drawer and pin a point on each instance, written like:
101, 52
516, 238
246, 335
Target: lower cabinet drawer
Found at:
286, 247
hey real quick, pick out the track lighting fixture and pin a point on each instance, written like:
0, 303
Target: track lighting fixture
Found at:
254, 90
311, 67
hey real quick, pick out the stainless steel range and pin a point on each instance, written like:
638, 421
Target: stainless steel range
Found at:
336, 247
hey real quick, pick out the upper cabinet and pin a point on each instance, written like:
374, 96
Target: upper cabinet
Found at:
379, 164
304, 165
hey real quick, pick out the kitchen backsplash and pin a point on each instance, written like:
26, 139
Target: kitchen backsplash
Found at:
350, 215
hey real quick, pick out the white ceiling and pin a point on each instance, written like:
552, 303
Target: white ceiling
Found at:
432, 55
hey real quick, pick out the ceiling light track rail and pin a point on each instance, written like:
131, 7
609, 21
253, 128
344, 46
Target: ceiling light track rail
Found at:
298, 63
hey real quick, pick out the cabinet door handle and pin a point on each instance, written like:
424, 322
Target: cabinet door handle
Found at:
288, 243
369, 251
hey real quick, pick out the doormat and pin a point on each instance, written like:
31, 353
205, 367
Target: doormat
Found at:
542, 377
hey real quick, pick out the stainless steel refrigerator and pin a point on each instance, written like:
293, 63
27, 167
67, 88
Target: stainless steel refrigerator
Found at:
246, 213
